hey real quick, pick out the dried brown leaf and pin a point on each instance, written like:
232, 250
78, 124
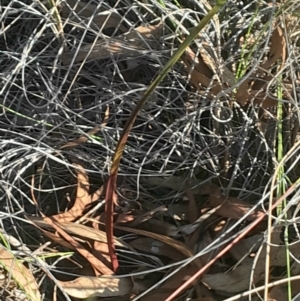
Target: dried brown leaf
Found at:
244, 246
83, 198
193, 211
171, 284
126, 45
88, 287
145, 216
277, 49
190, 228
21, 275
280, 292
156, 247
95, 262
238, 279
161, 227
200, 244
79, 230
179, 184
102, 19
57, 239
100, 250
181, 247
232, 207
250, 89
197, 78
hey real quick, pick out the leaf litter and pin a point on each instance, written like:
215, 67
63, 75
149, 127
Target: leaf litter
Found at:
85, 287
161, 245
20, 274
203, 74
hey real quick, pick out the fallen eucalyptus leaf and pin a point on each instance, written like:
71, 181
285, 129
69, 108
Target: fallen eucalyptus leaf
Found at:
80, 11
88, 287
21, 275
238, 279
132, 43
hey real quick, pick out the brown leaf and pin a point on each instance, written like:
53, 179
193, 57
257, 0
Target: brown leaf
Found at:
21, 275
193, 211
130, 44
197, 78
83, 197
179, 184
251, 89
181, 247
160, 227
156, 247
238, 279
100, 249
111, 200
232, 207
190, 228
125, 219
203, 241
170, 284
240, 249
248, 91
79, 230
57, 239
95, 262
144, 217
277, 48
280, 292
101, 20
88, 287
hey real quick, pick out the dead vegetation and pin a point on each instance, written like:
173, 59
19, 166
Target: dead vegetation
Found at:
194, 215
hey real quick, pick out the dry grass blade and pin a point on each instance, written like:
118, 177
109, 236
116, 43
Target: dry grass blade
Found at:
88, 287
84, 139
21, 275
